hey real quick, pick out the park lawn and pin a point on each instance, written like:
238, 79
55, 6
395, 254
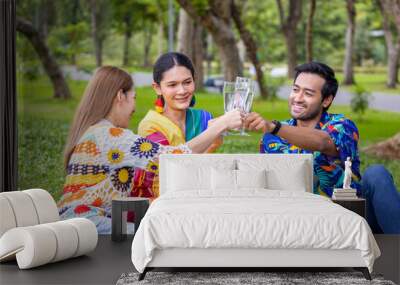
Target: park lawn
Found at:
43, 124
372, 82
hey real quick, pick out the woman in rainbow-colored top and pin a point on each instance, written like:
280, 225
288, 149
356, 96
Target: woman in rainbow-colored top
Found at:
174, 121
102, 155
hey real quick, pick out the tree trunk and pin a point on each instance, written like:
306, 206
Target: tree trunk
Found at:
251, 48
73, 59
74, 20
291, 47
389, 149
309, 32
209, 54
351, 26
148, 33
190, 43
160, 36
127, 38
230, 60
391, 10
43, 17
50, 65
185, 33
289, 29
95, 33
198, 55
217, 21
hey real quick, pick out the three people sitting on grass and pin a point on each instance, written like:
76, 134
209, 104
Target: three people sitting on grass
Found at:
104, 159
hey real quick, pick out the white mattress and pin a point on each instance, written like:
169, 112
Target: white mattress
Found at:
251, 219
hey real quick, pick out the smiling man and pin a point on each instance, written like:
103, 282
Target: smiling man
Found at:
331, 138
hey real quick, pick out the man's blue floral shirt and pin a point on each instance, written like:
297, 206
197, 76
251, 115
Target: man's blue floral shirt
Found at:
328, 170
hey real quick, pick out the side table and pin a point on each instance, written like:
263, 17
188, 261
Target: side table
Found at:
120, 206
356, 205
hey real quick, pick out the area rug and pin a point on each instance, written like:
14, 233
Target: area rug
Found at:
229, 278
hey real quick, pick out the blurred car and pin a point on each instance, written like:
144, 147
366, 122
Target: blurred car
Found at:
214, 83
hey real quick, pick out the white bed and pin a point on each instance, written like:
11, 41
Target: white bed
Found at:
241, 210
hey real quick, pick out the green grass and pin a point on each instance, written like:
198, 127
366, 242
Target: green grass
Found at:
43, 124
372, 82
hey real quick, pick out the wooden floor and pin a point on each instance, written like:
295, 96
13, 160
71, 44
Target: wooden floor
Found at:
111, 259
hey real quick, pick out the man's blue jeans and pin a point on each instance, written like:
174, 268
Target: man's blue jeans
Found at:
383, 200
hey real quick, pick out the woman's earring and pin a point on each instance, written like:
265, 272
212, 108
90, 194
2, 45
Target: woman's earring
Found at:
159, 104
192, 102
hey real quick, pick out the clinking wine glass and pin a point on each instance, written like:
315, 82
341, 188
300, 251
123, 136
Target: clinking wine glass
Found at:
244, 97
238, 95
247, 106
228, 93
248, 86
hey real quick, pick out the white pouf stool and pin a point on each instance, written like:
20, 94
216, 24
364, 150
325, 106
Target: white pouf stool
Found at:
32, 233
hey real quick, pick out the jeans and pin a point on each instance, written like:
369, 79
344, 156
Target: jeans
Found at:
383, 200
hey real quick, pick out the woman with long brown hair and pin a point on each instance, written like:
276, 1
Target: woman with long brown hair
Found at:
101, 154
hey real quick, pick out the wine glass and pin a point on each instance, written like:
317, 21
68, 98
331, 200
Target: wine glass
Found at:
228, 93
248, 104
243, 82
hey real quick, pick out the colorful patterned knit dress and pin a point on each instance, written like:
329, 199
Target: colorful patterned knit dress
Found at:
102, 166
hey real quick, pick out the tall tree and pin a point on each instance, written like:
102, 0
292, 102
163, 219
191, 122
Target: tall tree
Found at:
251, 48
390, 10
75, 7
209, 53
131, 16
127, 38
148, 31
309, 31
185, 33
289, 30
351, 27
44, 17
99, 10
50, 65
123, 14
215, 16
190, 42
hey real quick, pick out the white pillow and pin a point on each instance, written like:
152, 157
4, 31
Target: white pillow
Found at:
183, 177
251, 178
223, 179
191, 176
293, 180
281, 174
236, 179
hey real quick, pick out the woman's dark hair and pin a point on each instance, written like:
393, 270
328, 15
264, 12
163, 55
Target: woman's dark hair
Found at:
167, 61
314, 67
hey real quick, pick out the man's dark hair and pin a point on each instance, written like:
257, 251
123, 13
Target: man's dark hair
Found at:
314, 67
167, 61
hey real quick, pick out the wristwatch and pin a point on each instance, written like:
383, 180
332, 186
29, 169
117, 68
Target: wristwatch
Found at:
278, 126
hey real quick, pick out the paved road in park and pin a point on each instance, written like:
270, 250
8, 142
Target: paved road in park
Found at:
378, 101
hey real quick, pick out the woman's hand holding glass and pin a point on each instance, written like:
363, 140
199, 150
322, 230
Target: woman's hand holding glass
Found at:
229, 121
